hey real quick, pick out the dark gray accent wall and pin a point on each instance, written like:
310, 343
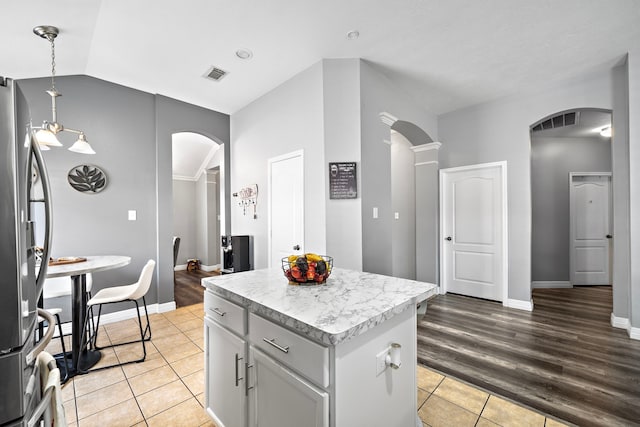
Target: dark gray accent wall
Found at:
551, 161
176, 116
131, 133
120, 125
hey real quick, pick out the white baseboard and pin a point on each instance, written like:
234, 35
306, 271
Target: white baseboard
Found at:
124, 315
620, 322
550, 284
624, 323
164, 307
519, 304
207, 268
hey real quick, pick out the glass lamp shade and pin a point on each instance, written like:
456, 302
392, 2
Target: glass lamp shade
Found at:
81, 146
46, 137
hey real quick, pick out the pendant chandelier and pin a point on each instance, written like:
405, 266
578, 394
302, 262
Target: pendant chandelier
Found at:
46, 135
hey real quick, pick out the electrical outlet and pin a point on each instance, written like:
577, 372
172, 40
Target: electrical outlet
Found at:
381, 361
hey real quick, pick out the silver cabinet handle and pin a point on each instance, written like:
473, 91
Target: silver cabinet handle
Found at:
246, 374
273, 343
218, 312
238, 359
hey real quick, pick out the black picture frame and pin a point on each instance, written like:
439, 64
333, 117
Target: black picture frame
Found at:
343, 180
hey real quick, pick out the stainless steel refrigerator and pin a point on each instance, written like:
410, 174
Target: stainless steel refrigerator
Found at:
21, 279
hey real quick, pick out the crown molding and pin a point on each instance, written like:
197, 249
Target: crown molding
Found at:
427, 147
387, 119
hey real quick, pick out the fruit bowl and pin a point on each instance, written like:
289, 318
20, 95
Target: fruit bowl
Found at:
309, 268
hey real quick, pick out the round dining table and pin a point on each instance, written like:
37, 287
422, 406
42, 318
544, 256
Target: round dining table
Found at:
83, 359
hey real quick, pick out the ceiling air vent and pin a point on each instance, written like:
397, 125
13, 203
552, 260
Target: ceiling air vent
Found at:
561, 120
216, 74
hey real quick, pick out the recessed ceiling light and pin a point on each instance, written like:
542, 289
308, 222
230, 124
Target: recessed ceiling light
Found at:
352, 35
244, 53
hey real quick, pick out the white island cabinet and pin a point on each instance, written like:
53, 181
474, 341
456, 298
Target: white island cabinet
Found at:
341, 354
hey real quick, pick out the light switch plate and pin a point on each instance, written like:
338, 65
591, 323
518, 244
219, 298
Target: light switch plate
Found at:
397, 215
375, 213
133, 215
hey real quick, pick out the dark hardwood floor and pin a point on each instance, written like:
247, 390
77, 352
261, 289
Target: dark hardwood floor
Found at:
563, 358
187, 289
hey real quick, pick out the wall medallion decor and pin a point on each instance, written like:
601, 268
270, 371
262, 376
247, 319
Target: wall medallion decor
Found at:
87, 179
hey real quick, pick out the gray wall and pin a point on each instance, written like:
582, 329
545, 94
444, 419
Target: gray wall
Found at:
195, 219
131, 132
379, 94
403, 202
620, 165
213, 225
427, 216
184, 224
551, 161
498, 131
201, 218
341, 96
634, 159
287, 119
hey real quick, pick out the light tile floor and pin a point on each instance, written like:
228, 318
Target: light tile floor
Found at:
445, 401
168, 388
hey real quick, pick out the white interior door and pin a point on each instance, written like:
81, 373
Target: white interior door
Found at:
473, 230
286, 206
590, 228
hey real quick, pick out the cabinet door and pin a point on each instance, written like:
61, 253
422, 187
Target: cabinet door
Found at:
225, 388
280, 398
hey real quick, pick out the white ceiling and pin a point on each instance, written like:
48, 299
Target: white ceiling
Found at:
448, 54
191, 154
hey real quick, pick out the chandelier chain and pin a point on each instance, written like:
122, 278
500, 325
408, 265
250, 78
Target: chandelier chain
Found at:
53, 64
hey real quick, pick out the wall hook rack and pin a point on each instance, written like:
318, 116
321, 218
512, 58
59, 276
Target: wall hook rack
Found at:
248, 198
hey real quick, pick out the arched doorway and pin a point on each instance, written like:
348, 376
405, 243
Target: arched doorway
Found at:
198, 209
414, 200
569, 149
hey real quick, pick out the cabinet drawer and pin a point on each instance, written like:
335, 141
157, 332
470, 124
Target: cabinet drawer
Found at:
225, 313
295, 351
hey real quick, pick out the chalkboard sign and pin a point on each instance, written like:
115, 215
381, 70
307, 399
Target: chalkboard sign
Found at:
342, 180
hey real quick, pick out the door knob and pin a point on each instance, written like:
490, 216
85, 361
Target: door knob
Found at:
296, 248
448, 238
609, 236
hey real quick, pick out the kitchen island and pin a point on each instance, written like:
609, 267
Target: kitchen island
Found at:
338, 354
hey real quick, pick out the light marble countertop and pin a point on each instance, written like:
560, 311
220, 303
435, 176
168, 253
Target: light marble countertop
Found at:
347, 305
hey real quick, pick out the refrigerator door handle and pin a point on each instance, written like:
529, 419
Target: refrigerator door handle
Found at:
46, 190
46, 339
